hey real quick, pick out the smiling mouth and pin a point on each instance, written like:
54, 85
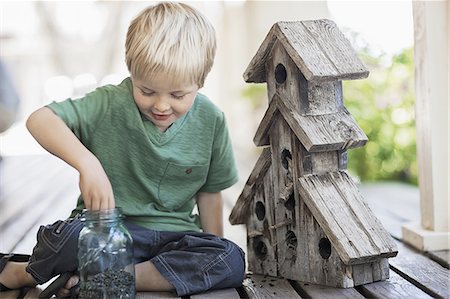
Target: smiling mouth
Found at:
161, 116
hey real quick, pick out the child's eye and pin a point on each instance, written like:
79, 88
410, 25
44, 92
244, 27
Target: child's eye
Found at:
147, 93
178, 97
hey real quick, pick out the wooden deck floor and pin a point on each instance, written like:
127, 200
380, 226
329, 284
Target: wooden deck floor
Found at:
40, 189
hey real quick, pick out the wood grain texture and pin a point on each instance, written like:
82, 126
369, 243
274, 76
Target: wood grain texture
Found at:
353, 230
261, 249
324, 98
239, 213
370, 272
294, 88
441, 257
326, 132
262, 133
282, 171
324, 292
317, 133
421, 271
299, 237
318, 48
259, 287
394, 288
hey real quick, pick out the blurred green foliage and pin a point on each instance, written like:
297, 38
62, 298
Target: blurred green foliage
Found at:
383, 106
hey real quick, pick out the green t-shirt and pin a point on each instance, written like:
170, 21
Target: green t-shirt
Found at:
155, 176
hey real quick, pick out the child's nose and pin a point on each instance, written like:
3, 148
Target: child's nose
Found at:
161, 105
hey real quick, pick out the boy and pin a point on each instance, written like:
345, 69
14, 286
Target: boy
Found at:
153, 146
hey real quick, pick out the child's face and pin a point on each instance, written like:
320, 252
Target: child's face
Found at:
162, 102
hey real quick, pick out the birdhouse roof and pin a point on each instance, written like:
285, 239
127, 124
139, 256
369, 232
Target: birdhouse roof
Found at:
338, 207
351, 227
239, 213
325, 132
318, 48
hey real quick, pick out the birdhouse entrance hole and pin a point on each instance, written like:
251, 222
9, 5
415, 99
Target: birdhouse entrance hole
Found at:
260, 248
286, 157
290, 203
324, 248
280, 73
291, 240
260, 210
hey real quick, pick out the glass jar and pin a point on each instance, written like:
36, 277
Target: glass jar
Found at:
105, 256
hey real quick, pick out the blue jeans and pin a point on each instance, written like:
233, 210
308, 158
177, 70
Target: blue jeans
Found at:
192, 262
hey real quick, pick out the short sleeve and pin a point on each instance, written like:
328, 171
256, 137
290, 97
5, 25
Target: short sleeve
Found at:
82, 115
222, 172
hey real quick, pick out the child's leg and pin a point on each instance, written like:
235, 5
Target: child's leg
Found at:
195, 262
14, 276
188, 262
148, 278
56, 250
54, 253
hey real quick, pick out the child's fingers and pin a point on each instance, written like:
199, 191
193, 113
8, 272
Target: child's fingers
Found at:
112, 203
95, 204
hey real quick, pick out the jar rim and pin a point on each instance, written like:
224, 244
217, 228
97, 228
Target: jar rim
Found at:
101, 215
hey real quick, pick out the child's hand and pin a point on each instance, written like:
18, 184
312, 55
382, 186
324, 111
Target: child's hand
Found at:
96, 188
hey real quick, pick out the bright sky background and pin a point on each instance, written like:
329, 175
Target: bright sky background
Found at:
386, 25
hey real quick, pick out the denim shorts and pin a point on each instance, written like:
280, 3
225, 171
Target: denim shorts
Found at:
192, 262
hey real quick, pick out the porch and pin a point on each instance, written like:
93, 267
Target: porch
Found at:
33, 185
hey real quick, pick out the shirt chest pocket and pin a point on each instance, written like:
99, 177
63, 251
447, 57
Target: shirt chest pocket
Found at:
180, 183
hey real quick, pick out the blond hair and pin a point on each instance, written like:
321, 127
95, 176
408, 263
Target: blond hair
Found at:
173, 40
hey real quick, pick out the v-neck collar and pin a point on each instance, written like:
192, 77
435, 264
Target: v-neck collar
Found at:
154, 133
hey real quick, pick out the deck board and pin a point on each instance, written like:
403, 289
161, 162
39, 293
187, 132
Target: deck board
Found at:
261, 286
441, 257
424, 273
46, 189
394, 288
318, 291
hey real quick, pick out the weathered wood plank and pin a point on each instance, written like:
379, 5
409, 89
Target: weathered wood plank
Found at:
324, 292
317, 47
285, 79
318, 133
360, 237
259, 287
324, 98
262, 133
424, 273
239, 213
335, 47
394, 288
218, 294
256, 70
442, 257
373, 229
326, 132
261, 254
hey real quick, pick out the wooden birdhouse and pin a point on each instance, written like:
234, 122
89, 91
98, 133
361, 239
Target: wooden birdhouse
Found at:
306, 219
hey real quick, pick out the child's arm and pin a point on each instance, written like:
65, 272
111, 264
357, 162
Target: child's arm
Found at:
210, 208
54, 135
